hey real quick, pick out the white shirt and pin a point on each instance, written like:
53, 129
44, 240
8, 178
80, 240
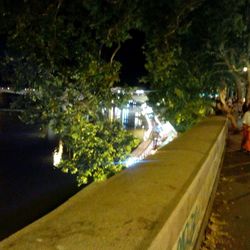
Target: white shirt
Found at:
246, 118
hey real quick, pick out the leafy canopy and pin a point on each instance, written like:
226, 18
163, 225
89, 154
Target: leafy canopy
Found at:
58, 48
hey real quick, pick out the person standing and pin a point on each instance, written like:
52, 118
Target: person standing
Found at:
245, 143
225, 109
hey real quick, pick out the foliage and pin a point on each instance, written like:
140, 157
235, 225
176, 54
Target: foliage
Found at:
177, 94
196, 58
227, 42
177, 79
58, 48
94, 149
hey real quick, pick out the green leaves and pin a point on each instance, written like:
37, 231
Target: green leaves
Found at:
96, 150
179, 93
58, 49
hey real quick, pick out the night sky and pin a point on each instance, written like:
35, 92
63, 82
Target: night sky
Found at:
1, 54
132, 59
130, 55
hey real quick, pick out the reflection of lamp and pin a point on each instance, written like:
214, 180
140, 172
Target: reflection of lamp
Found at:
57, 154
245, 69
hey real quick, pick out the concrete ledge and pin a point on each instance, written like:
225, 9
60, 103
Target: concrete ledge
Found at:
159, 204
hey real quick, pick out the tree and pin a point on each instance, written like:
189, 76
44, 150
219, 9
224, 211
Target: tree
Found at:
59, 49
55, 47
208, 50
175, 78
228, 42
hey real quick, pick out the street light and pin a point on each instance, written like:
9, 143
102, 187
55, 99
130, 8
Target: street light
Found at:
245, 69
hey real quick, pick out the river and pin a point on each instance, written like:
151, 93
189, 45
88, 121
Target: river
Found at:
29, 185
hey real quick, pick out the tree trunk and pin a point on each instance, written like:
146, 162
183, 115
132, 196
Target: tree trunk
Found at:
248, 84
239, 88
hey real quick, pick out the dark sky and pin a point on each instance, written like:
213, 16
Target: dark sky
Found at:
132, 59
130, 55
1, 54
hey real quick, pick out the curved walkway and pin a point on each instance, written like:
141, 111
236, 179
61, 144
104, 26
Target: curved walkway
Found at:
229, 225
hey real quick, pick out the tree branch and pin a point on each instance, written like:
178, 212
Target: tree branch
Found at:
232, 68
115, 52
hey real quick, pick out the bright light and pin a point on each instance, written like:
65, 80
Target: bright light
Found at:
245, 69
157, 120
139, 91
150, 128
146, 109
130, 161
153, 151
57, 154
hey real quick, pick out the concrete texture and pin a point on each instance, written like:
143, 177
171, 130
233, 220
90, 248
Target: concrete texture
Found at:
128, 210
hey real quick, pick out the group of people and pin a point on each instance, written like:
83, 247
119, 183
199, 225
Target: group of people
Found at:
236, 111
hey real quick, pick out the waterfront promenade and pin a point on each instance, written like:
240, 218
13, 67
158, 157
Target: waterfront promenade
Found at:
229, 225
158, 205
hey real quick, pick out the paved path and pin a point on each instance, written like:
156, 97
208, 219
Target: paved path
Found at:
229, 225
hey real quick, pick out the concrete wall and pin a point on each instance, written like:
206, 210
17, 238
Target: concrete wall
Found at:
159, 204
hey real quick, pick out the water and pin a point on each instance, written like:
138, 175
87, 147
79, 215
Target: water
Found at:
29, 185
